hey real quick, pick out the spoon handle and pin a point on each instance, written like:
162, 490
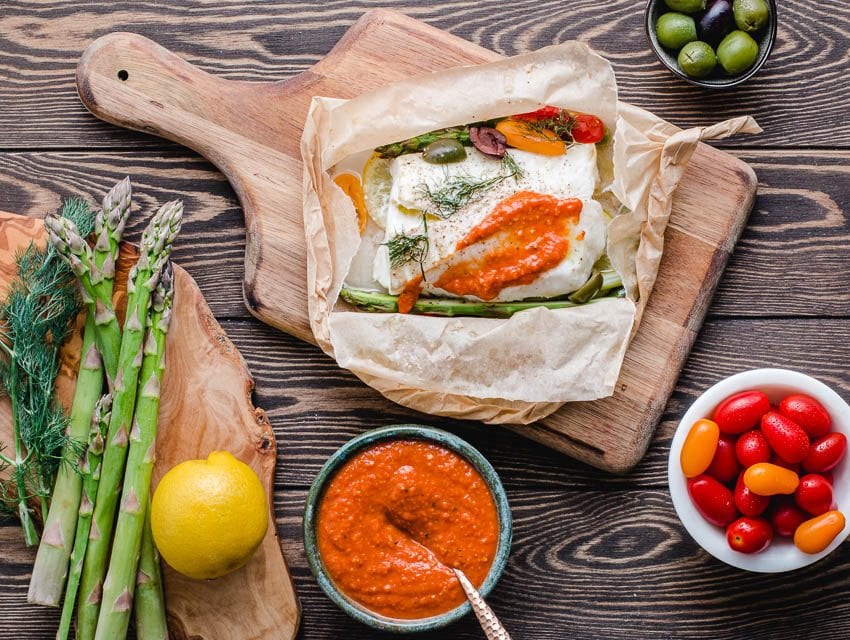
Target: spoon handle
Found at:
493, 629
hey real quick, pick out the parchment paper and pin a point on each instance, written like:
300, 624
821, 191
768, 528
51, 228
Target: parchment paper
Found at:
515, 370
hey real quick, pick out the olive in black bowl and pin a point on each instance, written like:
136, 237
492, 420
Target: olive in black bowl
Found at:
740, 45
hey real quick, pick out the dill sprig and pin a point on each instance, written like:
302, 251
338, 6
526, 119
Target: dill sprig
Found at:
404, 248
458, 191
35, 318
561, 125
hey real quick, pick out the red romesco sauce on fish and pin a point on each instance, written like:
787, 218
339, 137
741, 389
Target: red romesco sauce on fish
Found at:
395, 519
532, 233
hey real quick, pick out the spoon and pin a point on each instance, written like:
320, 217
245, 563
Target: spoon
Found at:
493, 629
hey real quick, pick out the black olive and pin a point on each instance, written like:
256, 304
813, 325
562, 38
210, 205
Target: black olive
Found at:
717, 21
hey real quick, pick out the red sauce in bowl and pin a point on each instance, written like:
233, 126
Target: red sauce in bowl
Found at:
395, 519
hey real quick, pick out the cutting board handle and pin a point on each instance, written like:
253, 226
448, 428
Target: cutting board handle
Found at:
133, 82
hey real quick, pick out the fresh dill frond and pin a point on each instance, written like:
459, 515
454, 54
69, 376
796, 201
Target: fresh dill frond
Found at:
458, 191
80, 213
404, 248
561, 125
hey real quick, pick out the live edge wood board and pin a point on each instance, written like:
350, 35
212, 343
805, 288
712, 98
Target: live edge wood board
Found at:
251, 132
206, 406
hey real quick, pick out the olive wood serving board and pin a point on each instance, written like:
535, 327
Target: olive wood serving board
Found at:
251, 131
199, 413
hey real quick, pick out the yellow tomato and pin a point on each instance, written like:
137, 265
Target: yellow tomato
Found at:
813, 536
525, 137
767, 479
350, 184
699, 448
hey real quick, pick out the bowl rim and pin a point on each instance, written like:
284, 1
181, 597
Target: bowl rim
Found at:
405, 432
770, 34
712, 539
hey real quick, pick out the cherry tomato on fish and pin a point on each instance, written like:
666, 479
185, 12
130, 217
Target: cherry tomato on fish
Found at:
788, 439
826, 452
749, 535
786, 517
768, 479
541, 114
814, 494
741, 412
806, 412
747, 502
815, 535
587, 129
712, 500
752, 448
724, 466
699, 448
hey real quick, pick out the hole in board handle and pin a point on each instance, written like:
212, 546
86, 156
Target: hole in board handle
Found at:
123, 75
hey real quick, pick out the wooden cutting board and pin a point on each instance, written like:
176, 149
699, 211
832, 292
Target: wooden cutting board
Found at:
199, 413
251, 131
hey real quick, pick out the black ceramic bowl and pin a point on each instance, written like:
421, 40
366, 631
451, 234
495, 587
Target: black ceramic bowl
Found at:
717, 79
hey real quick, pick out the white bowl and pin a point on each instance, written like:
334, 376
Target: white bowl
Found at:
781, 555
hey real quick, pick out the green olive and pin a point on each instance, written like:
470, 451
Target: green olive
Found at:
686, 6
697, 59
443, 151
737, 52
750, 15
588, 289
675, 30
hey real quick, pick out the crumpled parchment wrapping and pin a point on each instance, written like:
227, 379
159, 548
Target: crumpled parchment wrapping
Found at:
514, 370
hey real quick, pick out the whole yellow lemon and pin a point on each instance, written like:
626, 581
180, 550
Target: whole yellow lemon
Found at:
209, 516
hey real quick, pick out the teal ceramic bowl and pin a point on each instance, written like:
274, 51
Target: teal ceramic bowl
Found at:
405, 432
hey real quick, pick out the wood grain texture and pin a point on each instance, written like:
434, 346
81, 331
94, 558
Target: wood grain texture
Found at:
586, 541
251, 130
275, 40
199, 413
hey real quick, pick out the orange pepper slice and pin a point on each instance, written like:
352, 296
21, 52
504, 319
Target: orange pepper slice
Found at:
815, 535
526, 137
699, 448
767, 479
352, 187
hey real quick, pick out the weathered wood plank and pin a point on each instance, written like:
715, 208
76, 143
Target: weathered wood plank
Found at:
798, 97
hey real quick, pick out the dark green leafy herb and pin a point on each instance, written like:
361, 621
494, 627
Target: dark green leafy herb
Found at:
35, 318
561, 125
404, 248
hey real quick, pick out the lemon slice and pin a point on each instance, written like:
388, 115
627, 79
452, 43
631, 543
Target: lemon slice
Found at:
377, 182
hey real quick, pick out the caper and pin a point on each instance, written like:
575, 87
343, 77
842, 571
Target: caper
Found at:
686, 6
588, 289
750, 15
697, 59
675, 30
737, 52
443, 151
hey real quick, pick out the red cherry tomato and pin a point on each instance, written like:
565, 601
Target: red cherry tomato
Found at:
587, 129
724, 466
752, 448
806, 412
741, 412
825, 453
712, 500
541, 114
786, 437
814, 494
749, 535
827, 475
779, 462
786, 517
747, 502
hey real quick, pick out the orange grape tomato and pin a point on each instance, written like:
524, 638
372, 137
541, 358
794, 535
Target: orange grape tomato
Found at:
699, 448
526, 137
350, 184
766, 479
815, 535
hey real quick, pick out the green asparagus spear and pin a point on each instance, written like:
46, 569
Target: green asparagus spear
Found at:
412, 145
384, 303
51, 562
149, 600
90, 472
155, 249
120, 582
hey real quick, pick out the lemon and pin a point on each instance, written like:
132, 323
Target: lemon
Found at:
377, 182
209, 516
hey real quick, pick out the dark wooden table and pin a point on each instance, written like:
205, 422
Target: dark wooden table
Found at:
594, 556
